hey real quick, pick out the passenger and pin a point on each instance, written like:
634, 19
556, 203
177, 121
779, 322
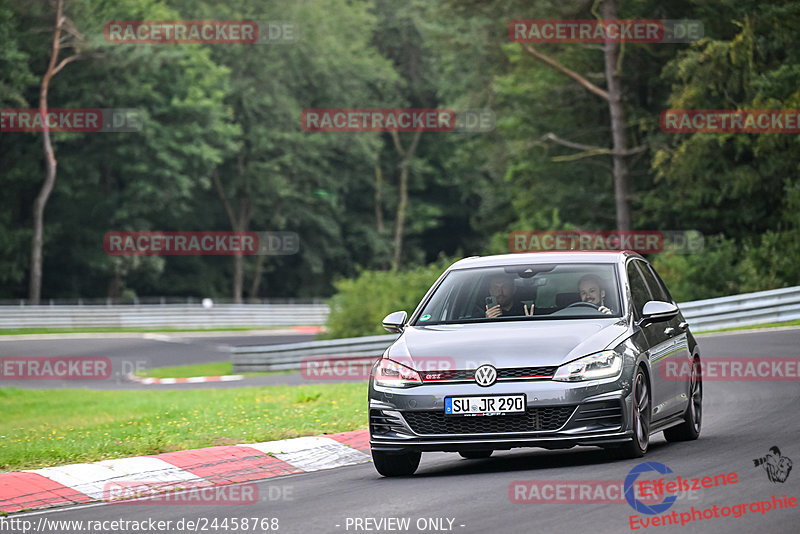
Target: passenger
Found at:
591, 290
502, 288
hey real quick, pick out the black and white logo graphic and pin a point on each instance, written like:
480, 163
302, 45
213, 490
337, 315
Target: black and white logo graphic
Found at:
777, 467
485, 375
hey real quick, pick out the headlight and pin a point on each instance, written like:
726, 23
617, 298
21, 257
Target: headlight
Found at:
395, 375
601, 365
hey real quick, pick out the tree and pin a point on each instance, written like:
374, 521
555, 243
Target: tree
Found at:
280, 177
53, 68
613, 95
141, 180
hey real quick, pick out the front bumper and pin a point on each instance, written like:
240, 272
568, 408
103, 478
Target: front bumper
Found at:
558, 416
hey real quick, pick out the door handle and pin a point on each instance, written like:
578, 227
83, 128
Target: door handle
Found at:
669, 331
683, 326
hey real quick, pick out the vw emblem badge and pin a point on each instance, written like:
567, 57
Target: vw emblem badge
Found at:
485, 375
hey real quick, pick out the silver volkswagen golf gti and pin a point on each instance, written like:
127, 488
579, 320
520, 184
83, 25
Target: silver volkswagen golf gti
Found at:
552, 349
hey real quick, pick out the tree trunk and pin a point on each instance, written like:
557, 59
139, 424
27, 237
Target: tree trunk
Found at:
406, 155
238, 278
240, 222
400, 219
37, 242
240, 225
256, 283
378, 194
613, 85
116, 283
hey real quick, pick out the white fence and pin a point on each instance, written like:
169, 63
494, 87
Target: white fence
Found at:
163, 316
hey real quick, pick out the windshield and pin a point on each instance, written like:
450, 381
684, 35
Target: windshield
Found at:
524, 292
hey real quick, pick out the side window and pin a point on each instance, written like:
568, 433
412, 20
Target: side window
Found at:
639, 293
662, 285
656, 289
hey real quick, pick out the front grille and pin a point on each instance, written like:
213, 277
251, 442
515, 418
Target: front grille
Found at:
435, 422
605, 413
469, 374
525, 372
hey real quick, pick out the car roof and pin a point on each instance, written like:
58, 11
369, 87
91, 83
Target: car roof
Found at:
568, 256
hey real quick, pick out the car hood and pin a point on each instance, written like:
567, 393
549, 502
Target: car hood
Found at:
505, 344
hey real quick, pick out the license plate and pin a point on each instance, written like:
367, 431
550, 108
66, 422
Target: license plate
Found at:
490, 405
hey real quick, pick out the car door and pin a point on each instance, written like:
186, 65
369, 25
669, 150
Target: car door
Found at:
658, 344
677, 330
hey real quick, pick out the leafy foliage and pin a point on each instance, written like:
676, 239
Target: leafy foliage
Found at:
361, 303
234, 110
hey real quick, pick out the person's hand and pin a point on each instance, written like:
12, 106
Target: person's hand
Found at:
604, 310
493, 312
527, 311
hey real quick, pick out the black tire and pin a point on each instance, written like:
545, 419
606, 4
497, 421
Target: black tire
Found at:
641, 413
397, 464
475, 455
693, 417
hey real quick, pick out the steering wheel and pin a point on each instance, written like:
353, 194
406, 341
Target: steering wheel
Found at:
582, 303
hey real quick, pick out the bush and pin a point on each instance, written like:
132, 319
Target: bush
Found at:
712, 273
360, 304
727, 268
771, 263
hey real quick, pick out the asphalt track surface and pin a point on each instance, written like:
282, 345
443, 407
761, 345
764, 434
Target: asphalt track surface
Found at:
143, 351
742, 420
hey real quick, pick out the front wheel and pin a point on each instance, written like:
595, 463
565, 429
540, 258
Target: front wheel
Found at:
693, 417
396, 464
637, 446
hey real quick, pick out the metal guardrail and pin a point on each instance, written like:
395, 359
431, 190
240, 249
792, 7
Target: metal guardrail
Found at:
163, 316
289, 356
771, 306
702, 315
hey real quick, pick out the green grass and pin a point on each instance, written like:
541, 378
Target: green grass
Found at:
201, 369
186, 371
125, 330
42, 428
753, 327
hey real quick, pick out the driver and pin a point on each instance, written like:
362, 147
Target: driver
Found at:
502, 288
591, 290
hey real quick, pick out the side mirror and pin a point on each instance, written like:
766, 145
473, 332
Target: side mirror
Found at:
656, 311
395, 321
